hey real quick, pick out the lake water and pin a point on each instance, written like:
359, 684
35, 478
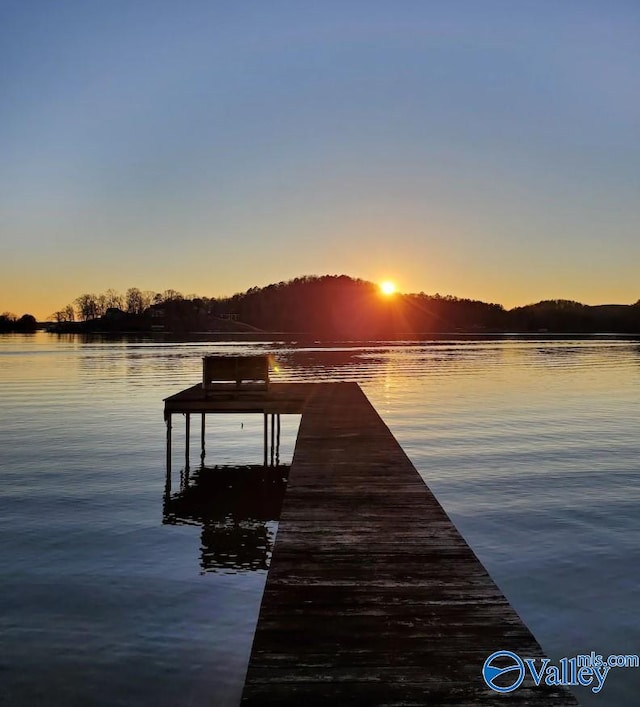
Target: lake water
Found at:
531, 445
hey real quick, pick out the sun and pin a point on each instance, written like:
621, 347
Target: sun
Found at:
387, 287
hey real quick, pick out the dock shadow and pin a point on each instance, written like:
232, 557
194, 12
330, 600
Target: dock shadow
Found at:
237, 508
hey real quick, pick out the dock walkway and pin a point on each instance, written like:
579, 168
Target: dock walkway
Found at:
373, 597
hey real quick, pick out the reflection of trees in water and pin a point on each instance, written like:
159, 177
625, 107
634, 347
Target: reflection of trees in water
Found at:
237, 508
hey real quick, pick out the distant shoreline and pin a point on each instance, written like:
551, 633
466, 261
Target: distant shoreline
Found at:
330, 306
297, 337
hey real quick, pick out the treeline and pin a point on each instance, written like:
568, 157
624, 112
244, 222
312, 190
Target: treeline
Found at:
134, 301
335, 306
143, 311
10, 322
567, 316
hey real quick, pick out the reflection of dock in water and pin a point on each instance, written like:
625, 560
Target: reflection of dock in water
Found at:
237, 508
372, 595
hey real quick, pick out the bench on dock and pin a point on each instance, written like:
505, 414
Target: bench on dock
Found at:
219, 371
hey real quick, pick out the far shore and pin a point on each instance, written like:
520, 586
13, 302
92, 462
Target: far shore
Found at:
309, 337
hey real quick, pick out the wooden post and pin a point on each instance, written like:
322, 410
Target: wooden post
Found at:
167, 485
187, 439
202, 429
168, 421
167, 492
273, 432
265, 438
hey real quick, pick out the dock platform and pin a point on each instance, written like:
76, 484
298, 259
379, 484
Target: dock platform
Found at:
372, 597
279, 399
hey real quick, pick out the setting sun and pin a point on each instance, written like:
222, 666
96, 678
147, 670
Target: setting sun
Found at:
387, 287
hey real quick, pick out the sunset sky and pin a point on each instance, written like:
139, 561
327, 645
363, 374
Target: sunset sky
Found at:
486, 149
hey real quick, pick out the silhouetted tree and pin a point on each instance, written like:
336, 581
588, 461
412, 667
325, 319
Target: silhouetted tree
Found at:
134, 301
10, 322
113, 300
87, 305
171, 295
27, 322
7, 321
66, 314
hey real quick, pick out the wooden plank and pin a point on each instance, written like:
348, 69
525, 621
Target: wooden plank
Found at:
373, 597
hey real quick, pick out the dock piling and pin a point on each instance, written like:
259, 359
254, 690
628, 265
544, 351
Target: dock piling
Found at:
266, 423
187, 433
168, 422
202, 431
272, 438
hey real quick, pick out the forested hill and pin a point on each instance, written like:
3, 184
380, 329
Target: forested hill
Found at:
345, 307
337, 305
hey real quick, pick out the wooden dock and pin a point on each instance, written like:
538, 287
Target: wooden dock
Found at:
372, 597
278, 399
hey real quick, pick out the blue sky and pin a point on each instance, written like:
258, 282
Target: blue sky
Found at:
480, 149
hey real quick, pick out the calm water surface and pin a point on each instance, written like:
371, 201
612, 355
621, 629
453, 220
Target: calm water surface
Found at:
108, 598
